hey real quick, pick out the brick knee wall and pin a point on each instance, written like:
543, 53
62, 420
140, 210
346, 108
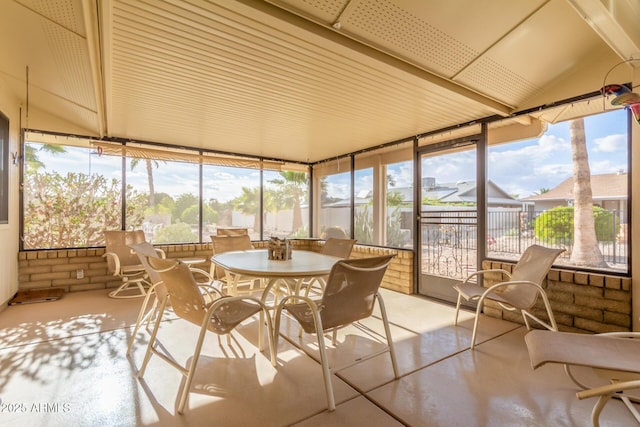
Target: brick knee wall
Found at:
57, 268
584, 302
581, 302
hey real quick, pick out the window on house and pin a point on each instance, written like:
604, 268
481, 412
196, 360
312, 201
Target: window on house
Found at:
4, 169
532, 193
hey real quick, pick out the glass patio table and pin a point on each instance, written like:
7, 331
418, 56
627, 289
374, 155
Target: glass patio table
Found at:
256, 264
240, 265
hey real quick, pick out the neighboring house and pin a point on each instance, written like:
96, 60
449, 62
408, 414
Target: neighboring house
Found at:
455, 193
609, 192
444, 197
466, 192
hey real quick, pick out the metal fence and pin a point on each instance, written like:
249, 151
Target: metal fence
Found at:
449, 237
511, 232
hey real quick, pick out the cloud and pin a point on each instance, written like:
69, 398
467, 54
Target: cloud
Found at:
610, 144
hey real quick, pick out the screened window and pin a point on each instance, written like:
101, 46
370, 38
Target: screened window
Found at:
165, 201
534, 193
286, 204
383, 213
71, 194
232, 199
333, 185
364, 206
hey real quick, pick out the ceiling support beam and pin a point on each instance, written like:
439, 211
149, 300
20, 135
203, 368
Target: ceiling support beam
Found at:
326, 32
616, 22
91, 21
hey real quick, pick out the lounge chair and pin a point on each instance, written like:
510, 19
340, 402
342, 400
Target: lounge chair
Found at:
613, 356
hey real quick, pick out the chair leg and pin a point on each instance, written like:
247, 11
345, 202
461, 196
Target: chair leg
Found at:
143, 316
547, 305
475, 322
152, 339
455, 321
184, 394
153, 312
326, 372
270, 338
387, 331
597, 409
276, 330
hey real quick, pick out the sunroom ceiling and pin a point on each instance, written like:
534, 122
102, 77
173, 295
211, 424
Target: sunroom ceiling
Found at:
303, 80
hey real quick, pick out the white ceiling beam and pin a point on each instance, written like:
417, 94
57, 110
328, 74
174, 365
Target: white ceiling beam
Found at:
327, 32
90, 15
616, 22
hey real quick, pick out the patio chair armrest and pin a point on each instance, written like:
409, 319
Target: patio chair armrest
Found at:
621, 334
203, 273
209, 289
300, 298
160, 253
510, 283
225, 299
609, 389
115, 260
491, 270
154, 286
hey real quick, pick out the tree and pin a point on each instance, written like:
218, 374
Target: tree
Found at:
73, 210
249, 204
586, 251
182, 203
149, 163
293, 186
272, 201
31, 156
175, 233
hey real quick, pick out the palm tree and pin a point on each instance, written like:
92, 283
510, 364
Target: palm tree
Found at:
586, 251
272, 202
149, 163
31, 155
293, 186
249, 204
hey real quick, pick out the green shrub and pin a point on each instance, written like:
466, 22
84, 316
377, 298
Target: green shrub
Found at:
176, 233
556, 225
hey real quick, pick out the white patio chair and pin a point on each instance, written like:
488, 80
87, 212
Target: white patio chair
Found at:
122, 262
350, 295
519, 293
213, 312
158, 291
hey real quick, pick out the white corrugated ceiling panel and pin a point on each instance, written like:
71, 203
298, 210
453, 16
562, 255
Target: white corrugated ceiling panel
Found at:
201, 75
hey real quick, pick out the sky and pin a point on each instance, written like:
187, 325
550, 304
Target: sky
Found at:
522, 168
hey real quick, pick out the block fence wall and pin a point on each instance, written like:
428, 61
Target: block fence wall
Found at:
581, 302
57, 268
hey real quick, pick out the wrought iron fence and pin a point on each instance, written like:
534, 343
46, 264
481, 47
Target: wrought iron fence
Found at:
449, 241
511, 232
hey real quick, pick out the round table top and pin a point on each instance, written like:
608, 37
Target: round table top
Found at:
192, 261
256, 263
